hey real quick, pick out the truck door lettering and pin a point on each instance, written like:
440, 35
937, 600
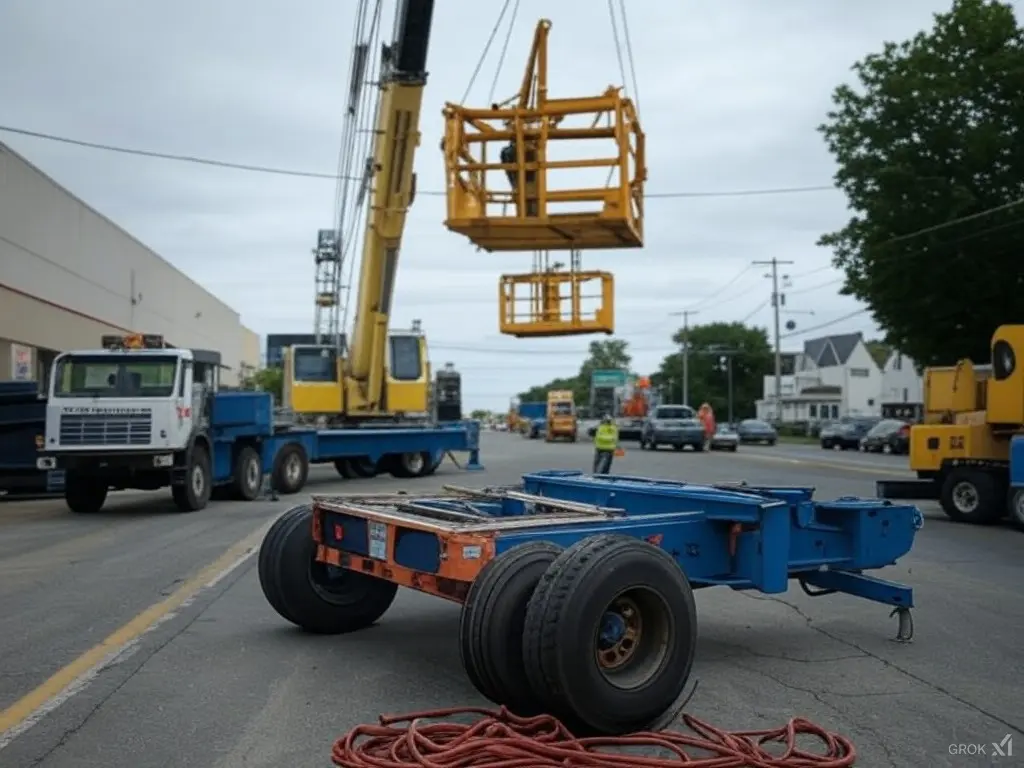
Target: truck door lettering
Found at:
956, 443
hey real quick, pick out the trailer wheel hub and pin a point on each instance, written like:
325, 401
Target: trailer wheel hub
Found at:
965, 497
621, 640
198, 480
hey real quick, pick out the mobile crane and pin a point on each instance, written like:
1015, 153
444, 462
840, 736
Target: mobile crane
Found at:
374, 375
969, 452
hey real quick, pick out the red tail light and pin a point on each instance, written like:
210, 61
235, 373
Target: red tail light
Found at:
905, 430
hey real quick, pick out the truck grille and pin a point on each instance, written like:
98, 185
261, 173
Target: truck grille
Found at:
106, 429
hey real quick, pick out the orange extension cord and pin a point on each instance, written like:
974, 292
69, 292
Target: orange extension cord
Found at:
500, 739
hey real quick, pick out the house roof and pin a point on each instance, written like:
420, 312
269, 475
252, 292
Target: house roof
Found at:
834, 350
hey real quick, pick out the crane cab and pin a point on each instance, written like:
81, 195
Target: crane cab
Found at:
314, 381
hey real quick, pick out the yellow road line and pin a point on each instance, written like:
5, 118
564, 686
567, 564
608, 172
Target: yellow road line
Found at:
71, 679
846, 467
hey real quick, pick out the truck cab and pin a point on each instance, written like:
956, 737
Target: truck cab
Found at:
562, 420
133, 414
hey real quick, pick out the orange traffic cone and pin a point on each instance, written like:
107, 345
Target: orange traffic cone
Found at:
620, 452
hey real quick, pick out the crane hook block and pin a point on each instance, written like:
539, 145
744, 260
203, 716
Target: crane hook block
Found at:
553, 303
536, 173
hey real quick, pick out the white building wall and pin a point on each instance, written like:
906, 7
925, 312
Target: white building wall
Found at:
68, 274
900, 380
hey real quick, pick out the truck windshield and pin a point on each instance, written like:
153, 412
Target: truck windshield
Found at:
561, 409
115, 376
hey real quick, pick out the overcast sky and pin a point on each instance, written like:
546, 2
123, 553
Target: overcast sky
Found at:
730, 94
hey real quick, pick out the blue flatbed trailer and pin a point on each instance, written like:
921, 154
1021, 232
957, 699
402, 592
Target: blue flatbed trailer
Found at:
22, 423
242, 419
577, 589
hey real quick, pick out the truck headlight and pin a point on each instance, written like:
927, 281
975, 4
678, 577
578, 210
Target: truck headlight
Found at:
164, 460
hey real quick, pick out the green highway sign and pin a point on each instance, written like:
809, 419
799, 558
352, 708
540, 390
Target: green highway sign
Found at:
607, 379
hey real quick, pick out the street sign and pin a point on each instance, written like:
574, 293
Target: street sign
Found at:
608, 379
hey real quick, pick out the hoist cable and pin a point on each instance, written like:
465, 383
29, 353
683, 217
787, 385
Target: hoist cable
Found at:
356, 232
504, 50
629, 57
483, 54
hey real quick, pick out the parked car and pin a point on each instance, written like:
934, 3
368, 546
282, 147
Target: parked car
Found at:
725, 439
756, 431
887, 436
675, 425
847, 435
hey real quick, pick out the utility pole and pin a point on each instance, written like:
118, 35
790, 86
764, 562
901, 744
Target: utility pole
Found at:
685, 314
778, 299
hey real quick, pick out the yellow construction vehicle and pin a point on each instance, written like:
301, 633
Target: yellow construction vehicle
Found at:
562, 422
961, 451
374, 374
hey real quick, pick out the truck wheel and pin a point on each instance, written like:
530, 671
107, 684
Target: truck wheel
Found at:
491, 625
248, 474
362, 466
195, 493
971, 495
344, 468
408, 465
82, 495
318, 598
633, 671
1017, 507
291, 468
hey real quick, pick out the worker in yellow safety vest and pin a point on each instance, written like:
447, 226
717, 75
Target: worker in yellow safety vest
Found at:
606, 441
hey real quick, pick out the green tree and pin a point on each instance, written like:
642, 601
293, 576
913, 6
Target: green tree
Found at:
268, 380
480, 415
710, 347
611, 354
931, 161
879, 351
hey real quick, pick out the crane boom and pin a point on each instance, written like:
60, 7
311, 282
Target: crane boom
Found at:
403, 79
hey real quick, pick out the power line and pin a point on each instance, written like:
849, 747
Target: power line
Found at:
829, 324
252, 168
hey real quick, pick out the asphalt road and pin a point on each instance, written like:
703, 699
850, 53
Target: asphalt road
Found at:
156, 622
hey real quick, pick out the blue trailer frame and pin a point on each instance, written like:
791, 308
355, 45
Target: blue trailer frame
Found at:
577, 589
739, 536
240, 419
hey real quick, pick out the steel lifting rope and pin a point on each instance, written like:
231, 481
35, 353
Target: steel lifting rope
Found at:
499, 739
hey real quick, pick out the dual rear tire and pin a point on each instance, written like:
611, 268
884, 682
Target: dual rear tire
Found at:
601, 635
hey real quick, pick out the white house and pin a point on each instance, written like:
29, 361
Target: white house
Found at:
901, 383
834, 376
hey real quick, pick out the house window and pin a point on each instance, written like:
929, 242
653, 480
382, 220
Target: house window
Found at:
813, 410
898, 363
861, 373
835, 411
906, 394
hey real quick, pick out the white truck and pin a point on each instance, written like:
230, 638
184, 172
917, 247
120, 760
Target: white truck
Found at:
136, 414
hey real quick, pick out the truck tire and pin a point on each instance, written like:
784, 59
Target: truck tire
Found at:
291, 468
409, 465
82, 495
491, 625
632, 675
194, 494
363, 466
1017, 507
971, 495
344, 468
318, 598
247, 476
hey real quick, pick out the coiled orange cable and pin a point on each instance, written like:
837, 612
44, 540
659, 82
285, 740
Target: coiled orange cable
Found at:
499, 739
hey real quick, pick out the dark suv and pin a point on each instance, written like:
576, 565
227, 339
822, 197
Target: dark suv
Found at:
887, 436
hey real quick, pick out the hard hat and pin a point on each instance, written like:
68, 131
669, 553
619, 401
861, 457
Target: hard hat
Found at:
606, 419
